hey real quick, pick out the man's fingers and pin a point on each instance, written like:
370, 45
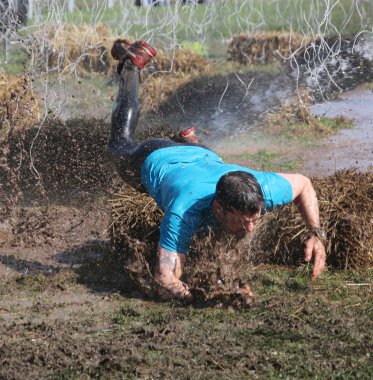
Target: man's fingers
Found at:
247, 292
308, 250
318, 267
179, 290
319, 264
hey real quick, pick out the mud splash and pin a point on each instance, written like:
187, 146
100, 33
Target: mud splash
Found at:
226, 106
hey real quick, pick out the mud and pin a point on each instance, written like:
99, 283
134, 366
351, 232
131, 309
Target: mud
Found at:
224, 106
67, 309
351, 147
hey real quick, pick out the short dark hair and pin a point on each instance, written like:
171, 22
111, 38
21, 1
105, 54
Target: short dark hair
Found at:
241, 191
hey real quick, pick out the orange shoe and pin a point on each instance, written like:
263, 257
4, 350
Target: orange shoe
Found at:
189, 135
139, 53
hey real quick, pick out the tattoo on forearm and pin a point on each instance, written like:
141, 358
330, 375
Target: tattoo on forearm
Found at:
168, 259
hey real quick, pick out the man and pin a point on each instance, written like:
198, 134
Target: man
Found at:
193, 186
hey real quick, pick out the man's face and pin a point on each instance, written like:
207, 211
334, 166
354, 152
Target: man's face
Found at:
236, 222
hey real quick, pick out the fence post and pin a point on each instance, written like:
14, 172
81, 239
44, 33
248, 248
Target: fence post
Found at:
70, 5
30, 9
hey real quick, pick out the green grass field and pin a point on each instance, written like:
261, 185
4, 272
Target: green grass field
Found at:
220, 19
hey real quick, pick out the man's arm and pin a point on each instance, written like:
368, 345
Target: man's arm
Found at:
169, 270
304, 196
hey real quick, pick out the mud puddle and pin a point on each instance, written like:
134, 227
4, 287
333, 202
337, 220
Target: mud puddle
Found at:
351, 147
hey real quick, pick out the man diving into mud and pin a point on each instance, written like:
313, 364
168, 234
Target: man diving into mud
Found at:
193, 186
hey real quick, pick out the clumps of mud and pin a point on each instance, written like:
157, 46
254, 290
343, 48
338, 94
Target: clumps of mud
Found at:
218, 265
216, 268
267, 47
57, 161
346, 209
63, 162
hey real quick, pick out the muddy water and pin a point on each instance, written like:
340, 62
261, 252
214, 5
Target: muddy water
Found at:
351, 147
226, 106
337, 65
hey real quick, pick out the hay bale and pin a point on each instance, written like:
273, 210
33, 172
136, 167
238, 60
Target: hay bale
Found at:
346, 209
134, 233
218, 264
266, 47
19, 111
19, 108
79, 49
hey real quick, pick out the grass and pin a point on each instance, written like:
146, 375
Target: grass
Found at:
265, 160
18, 60
287, 126
221, 19
294, 329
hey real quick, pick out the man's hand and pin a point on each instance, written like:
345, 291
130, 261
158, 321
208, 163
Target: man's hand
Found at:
304, 196
315, 249
247, 295
169, 270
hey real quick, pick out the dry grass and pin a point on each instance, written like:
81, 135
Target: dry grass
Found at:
78, 49
19, 108
294, 119
346, 209
266, 47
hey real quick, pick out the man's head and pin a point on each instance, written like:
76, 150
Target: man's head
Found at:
238, 202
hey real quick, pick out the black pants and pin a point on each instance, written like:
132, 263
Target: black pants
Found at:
127, 155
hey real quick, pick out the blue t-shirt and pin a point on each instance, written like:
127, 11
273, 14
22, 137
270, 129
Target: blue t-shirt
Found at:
182, 180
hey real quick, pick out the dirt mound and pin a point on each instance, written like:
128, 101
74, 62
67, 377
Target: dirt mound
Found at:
266, 47
218, 265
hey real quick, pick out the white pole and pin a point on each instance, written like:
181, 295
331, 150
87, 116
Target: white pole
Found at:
70, 5
30, 9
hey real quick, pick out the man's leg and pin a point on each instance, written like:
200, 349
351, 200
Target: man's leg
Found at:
124, 119
127, 155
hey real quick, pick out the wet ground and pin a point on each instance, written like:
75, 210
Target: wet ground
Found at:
350, 147
63, 315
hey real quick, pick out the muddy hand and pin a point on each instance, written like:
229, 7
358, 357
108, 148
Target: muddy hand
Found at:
247, 294
176, 288
170, 269
315, 249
